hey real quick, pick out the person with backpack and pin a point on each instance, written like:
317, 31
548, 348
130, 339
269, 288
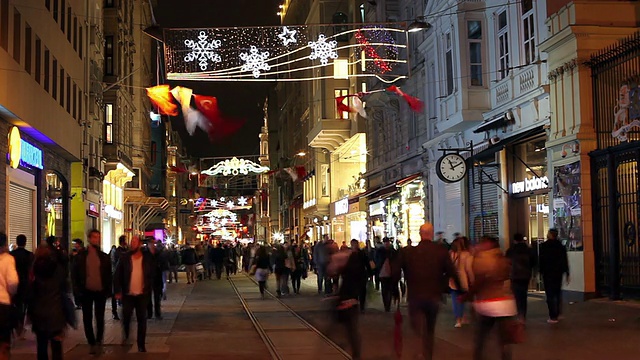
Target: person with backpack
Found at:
523, 260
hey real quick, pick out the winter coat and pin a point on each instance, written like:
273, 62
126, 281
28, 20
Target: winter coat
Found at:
463, 262
491, 272
523, 260
553, 259
46, 303
79, 273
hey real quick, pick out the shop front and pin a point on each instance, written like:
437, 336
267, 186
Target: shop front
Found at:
113, 203
412, 198
384, 217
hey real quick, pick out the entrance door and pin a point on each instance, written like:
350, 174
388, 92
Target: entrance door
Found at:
616, 220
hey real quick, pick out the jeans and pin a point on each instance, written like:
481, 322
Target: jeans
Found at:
89, 300
458, 307
296, 281
173, 273
283, 283
553, 292
484, 324
154, 302
139, 303
191, 273
520, 289
218, 268
323, 279
387, 292
43, 340
423, 315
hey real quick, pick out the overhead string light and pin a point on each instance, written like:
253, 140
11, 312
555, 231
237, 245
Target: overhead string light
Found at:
282, 53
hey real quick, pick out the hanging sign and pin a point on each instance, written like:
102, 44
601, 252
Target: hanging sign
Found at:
341, 207
527, 185
23, 153
93, 210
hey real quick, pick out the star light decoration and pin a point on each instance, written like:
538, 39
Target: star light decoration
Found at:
323, 49
255, 61
203, 51
230, 204
288, 36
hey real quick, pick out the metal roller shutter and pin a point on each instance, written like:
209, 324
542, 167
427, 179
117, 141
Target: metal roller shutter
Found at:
21, 219
452, 209
485, 211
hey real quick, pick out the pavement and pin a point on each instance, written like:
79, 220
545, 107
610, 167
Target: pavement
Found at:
209, 321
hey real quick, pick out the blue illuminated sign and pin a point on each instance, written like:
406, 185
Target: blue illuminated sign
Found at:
30, 155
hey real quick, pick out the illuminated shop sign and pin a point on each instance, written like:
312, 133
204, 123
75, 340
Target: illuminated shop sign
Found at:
341, 206
93, 210
376, 209
527, 185
113, 212
21, 152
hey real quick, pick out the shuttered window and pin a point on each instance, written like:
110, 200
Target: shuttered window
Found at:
452, 211
21, 217
483, 202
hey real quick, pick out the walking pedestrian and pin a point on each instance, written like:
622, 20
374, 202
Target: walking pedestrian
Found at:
92, 281
554, 265
46, 309
462, 261
363, 260
77, 247
493, 301
371, 254
426, 267
24, 260
282, 269
229, 260
189, 260
523, 260
217, 257
321, 260
160, 263
9, 286
386, 257
115, 257
132, 283
262, 264
174, 262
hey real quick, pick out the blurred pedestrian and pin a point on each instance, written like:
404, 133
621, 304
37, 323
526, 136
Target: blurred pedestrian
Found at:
321, 260
386, 256
189, 260
493, 301
9, 287
160, 262
282, 269
462, 261
426, 267
47, 308
133, 282
554, 265
174, 262
91, 277
523, 259
217, 257
24, 260
262, 268
115, 257
363, 260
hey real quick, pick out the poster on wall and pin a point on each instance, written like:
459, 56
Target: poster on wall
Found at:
567, 205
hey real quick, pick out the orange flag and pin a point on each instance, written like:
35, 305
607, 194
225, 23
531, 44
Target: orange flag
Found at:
160, 97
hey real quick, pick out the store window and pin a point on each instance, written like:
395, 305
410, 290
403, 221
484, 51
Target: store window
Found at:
474, 29
528, 32
54, 204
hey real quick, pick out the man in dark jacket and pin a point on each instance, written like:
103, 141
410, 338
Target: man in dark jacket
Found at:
174, 262
365, 272
132, 283
190, 259
553, 266
161, 262
426, 267
217, 258
92, 280
24, 260
522, 262
385, 261
115, 257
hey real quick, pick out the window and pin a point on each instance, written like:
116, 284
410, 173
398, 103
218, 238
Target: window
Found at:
47, 69
80, 97
62, 16
55, 10
38, 72
135, 180
54, 77
108, 123
28, 48
341, 114
503, 46
61, 79
108, 3
448, 59
17, 26
75, 33
108, 55
4, 24
47, 4
325, 179
68, 94
528, 32
474, 36
80, 45
74, 109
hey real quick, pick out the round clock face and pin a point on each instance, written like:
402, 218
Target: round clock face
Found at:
451, 168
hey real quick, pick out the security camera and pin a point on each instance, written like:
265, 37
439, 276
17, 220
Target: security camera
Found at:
494, 140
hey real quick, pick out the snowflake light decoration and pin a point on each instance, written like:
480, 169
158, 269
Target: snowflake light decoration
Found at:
203, 51
287, 36
242, 201
323, 49
230, 204
255, 61
214, 203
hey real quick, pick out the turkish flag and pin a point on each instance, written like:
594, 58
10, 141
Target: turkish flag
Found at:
220, 125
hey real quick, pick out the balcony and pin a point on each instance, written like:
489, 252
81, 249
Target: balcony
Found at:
329, 134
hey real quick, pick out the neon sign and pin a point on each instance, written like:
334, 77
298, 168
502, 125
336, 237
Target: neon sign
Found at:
23, 153
527, 185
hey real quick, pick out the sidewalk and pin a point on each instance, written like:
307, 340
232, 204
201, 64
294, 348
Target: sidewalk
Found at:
591, 330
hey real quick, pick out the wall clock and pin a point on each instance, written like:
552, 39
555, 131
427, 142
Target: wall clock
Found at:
451, 167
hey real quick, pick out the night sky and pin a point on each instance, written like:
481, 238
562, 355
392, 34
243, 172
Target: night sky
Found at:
235, 99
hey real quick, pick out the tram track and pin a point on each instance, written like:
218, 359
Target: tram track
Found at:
267, 336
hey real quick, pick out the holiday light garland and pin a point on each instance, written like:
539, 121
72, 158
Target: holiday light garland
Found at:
282, 53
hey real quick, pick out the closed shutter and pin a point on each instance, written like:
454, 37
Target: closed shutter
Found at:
485, 211
21, 219
452, 209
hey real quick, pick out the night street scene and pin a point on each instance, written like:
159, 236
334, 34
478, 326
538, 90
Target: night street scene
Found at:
320, 179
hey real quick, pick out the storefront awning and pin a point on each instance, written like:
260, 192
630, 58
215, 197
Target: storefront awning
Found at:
495, 123
489, 151
408, 179
390, 189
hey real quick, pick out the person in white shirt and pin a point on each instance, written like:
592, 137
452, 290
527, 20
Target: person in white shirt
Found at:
8, 287
132, 284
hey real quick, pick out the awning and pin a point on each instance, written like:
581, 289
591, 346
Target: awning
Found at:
495, 123
408, 179
508, 140
391, 188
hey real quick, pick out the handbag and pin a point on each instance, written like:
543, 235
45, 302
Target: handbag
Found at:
252, 271
69, 311
513, 331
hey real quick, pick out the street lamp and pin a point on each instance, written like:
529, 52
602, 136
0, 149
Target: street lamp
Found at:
301, 154
418, 25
